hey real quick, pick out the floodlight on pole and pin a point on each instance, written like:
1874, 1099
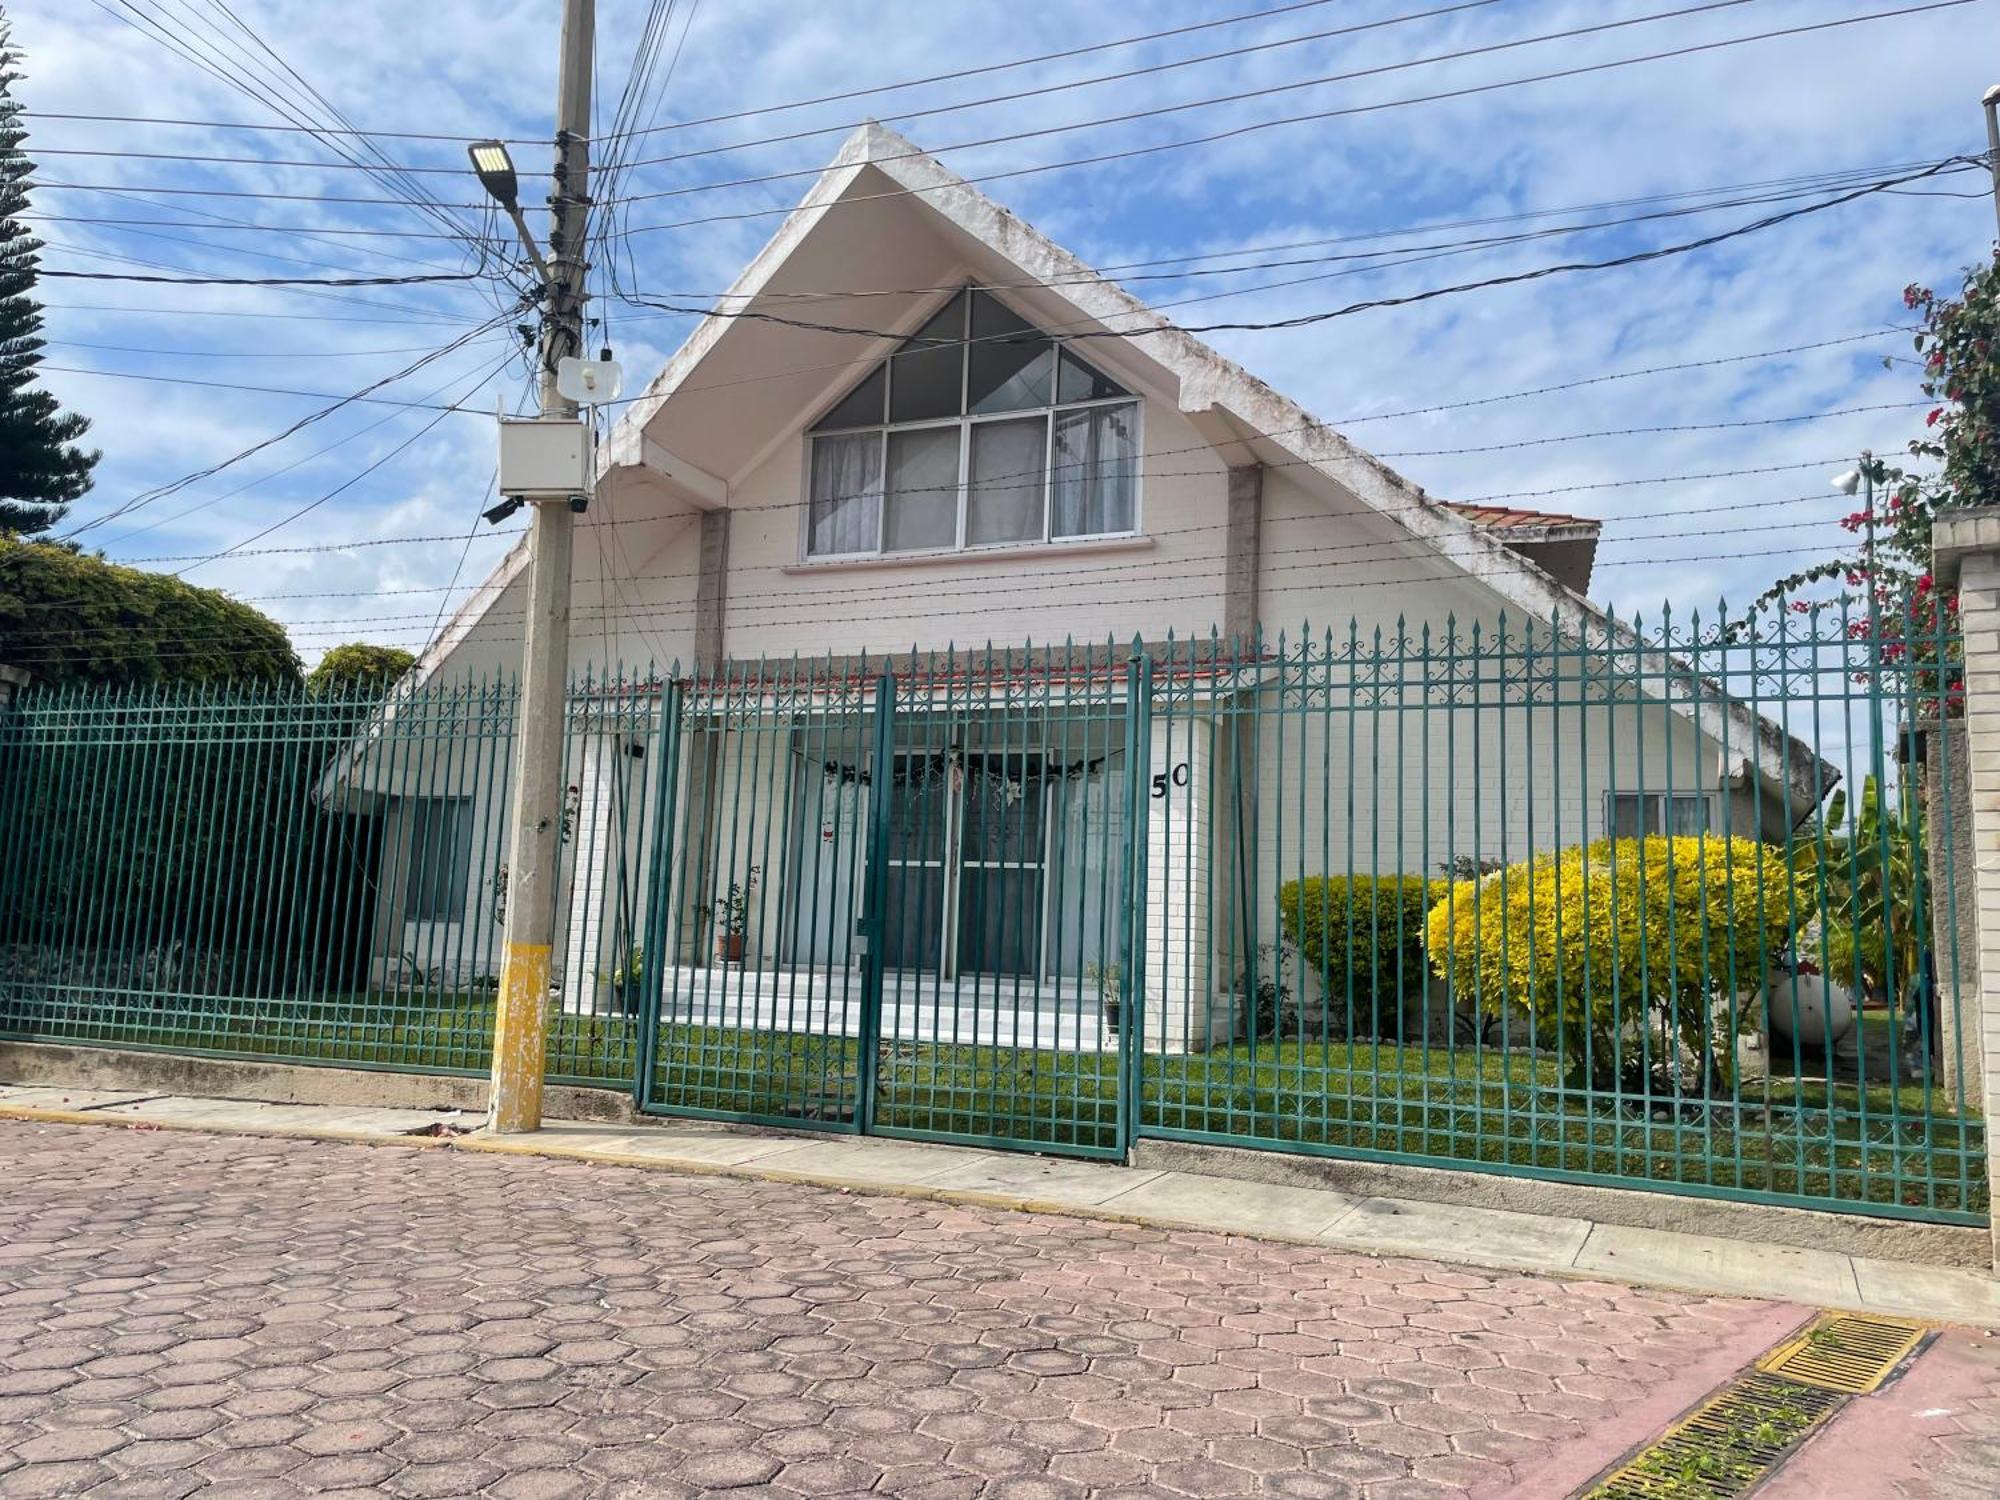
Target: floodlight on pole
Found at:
1849, 482
493, 164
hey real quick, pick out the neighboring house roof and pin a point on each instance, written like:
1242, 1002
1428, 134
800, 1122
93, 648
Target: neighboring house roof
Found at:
1564, 547
1242, 416
1546, 524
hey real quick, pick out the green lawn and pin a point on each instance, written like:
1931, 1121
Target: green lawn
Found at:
1795, 1137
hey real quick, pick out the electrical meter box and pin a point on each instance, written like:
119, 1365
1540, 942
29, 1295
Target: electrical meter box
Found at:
544, 458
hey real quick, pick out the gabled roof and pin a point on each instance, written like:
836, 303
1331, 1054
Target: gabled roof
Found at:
1230, 406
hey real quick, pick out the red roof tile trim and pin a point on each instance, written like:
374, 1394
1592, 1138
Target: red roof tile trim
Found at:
1505, 518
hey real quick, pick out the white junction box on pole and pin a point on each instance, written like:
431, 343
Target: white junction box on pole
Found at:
544, 458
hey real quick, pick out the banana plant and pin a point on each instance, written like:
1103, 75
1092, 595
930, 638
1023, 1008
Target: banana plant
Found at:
1870, 867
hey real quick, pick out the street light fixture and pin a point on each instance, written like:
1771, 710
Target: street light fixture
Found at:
494, 166
1849, 482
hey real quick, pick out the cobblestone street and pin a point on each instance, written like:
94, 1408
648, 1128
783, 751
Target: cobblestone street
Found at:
185, 1314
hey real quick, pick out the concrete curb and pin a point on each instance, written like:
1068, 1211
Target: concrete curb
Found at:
38, 1115
1684, 1263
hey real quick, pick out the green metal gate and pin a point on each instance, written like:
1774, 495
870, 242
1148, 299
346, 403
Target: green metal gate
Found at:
899, 897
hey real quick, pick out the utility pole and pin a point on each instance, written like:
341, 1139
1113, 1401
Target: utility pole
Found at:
1992, 103
520, 1032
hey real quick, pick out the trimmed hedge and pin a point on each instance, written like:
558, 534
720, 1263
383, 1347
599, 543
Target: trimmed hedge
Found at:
1364, 937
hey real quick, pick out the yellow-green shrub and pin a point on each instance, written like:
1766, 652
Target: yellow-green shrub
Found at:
1600, 936
1366, 932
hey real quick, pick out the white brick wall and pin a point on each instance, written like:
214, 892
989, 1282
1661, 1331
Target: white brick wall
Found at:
1979, 611
1183, 968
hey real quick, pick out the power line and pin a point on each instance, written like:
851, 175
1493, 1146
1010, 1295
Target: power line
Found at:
297, 463
232, 312
652, 35
264, 280
1022, 62
1157, 111
318, 235
184, 353
1631, 258
349, 483
1254, 127
279, 97
1470, 91
260, 390
158, 492
316, 294
1766, 190
1298, 320
1663, 428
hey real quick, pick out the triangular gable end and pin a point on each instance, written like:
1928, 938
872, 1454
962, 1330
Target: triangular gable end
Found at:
1224, 401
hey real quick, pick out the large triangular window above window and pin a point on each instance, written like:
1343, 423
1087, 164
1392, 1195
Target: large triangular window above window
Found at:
981, 430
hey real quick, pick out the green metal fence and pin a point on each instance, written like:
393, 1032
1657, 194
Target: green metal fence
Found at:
1672, 907
265, 873
1668, 905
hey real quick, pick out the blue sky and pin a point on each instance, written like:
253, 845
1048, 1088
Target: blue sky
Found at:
1877, 95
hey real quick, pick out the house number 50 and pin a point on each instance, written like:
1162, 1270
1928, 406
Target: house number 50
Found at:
1178, 776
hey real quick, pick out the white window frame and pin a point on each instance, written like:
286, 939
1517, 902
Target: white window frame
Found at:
965, 422
1660, 805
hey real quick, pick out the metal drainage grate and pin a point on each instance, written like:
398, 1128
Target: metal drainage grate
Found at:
1726, 1445
1845, 1352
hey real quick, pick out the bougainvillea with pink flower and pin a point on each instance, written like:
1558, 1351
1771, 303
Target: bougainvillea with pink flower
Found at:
1955, 462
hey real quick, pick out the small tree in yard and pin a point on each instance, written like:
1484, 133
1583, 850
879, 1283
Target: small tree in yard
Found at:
358, 667
41, 469
1622, 948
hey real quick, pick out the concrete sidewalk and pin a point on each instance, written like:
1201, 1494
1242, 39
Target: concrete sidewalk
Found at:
1486, 1237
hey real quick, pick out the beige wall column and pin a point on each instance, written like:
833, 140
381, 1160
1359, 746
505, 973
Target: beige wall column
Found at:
1968, 557
1240, 563
711, 589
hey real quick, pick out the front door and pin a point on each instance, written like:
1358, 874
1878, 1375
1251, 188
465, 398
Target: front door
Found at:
964, 863
1001, 848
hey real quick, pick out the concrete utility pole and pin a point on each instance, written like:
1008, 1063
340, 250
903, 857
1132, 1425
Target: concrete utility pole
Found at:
1992, 103
520, 1033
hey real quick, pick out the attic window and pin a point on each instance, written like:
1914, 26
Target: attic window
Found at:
982, 430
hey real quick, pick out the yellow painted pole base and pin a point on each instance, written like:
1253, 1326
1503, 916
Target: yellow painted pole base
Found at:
520, 1040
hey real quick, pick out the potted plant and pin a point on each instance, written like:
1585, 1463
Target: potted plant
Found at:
1110, 982
732, 919
624, 978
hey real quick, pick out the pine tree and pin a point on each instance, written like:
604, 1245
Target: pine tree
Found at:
41, 469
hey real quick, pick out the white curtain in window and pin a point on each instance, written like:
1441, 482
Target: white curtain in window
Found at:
1095, 468
923, 489
1689, 816
846, 494
1009, 472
